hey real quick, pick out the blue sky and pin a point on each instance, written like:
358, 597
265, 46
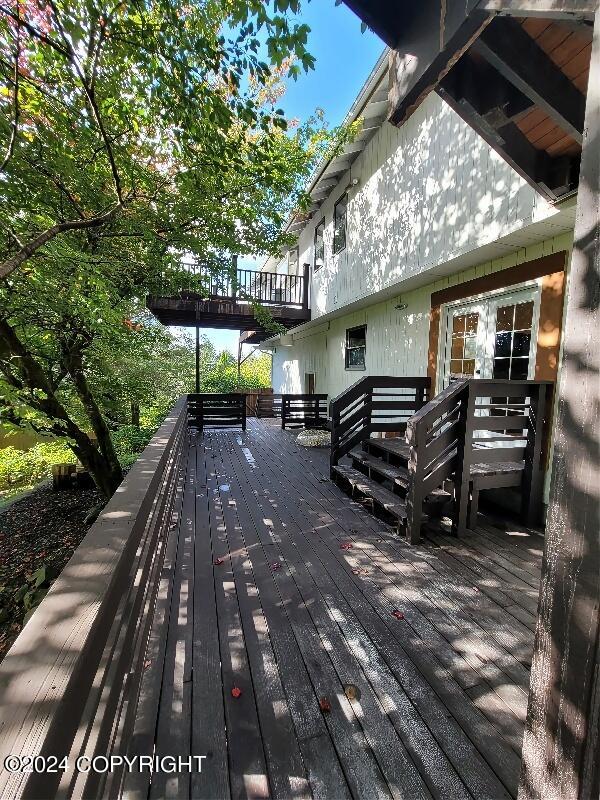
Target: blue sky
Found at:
344, 58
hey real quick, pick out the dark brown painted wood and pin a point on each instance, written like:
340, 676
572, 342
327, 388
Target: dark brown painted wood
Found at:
561, 740
551, 268
506, 46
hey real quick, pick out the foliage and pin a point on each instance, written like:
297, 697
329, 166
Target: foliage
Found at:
31, 593
129, 442
133, 133
28, 467
222, 375
164, 374
167, 111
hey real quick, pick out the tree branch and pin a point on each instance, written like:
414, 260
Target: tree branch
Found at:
16, 108
34, 245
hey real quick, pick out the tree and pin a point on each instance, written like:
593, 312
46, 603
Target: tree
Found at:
134, 132
121, 118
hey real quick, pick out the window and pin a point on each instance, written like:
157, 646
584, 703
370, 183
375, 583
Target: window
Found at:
293, 261
512, 349
319, 245
356, 347
339, 224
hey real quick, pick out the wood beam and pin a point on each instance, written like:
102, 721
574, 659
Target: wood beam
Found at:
561, 743
509, 49
430, 45
552, 9
381, 16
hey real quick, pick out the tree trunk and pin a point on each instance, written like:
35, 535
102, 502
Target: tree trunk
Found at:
103, 462
135, 413
105, 476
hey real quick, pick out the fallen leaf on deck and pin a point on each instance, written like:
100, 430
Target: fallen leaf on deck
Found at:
325, 705
398, 614
346, 546
217, 562
236, 691
276, 565
351, 691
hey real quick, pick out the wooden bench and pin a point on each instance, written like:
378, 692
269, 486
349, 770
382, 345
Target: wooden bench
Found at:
217, 410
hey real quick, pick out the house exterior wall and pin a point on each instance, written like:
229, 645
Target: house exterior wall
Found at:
397, 341
429, 193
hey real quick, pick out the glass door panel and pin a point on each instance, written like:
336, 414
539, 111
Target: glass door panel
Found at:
513, 356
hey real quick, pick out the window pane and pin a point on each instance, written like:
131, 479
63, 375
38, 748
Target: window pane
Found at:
470, 345
319, 245
504, 318
458, 323
356, 357
471, 321
519, 369
339, 225
468, 367
501, 368
293, 262
521, 342
503, 343
524, 316
458, 346
456, 367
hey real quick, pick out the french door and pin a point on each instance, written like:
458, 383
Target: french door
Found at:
493, 337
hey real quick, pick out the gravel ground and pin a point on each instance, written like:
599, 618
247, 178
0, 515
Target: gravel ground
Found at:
38, 531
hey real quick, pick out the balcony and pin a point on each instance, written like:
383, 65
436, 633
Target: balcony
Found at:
215, 301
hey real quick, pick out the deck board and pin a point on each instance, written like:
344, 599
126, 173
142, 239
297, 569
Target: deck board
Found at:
277, 583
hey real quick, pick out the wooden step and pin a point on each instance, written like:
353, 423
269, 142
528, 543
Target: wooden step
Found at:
396, 447
398, 475
382, 497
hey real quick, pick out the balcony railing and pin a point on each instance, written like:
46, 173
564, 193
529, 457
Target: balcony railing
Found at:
245, 285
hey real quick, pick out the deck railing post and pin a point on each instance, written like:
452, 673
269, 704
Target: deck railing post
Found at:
531, 488
414, 495
463, 458
235, 278
305, 287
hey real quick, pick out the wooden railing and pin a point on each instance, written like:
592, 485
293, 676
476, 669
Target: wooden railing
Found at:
217, 409
245, 285
474, 428
69, 682
268, 405
374, 404
303, 410
506, 424
436, 435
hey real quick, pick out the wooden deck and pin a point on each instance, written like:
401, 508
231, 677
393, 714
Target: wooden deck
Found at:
278, 585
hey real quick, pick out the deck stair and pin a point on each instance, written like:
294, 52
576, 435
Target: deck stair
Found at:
472, 436
383, 483
368, 488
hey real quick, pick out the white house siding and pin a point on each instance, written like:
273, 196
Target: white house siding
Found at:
429, 193
397, 341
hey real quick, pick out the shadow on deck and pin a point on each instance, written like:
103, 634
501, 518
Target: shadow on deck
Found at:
301, 647
285, 590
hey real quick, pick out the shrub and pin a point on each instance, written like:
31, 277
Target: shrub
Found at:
27, 467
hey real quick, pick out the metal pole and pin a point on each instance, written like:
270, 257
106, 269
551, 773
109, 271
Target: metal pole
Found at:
197, 360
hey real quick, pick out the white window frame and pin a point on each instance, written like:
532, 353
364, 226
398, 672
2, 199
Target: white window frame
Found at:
468, 304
